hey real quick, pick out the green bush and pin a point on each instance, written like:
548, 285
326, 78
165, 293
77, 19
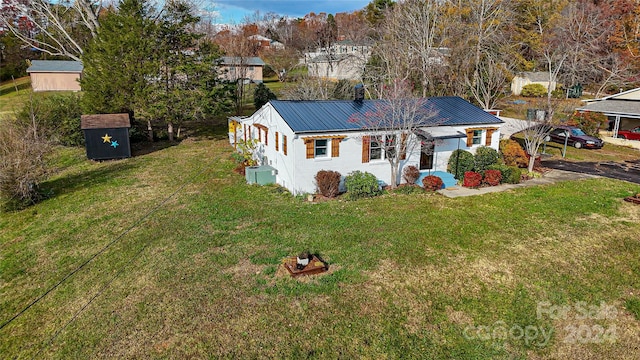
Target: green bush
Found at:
361, 184
510, 174
534, 90
57, 117
485, 156
460, 162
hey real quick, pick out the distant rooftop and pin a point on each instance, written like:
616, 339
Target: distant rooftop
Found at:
248, 61
67, 66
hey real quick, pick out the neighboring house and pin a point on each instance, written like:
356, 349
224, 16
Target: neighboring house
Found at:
527, 78
299, 138
247, 68
264, 43
55, 75
336, 67
622, 109
344, 59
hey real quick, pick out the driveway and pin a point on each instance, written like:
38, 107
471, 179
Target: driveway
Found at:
628, 170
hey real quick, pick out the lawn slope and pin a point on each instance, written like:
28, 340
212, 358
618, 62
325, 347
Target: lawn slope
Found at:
190, 267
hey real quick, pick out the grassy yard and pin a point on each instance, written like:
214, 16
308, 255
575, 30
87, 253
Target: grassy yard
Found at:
191, 268
12, 100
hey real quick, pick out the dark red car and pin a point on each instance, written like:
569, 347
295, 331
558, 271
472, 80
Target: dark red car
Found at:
633, 134
577, 137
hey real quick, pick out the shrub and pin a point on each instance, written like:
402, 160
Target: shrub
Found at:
472, 179
432, 183
513, 154
534, 90
484, 157
410, 174
510, 174
492, 177
22, 165
361, 184
328, 183
407, 189
262, 95
460, 162
57, 117
590, 122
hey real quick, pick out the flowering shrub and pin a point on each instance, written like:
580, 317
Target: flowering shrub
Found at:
472, 179
432, 183
411, 174
492, 177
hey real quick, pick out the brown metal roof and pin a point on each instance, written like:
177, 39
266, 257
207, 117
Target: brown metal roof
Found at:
104, 121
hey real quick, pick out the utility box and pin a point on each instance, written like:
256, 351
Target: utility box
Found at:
106, 136
261, 175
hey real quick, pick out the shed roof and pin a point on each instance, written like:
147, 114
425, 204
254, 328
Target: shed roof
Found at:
65, 66
309, 116
104, 121
248, 61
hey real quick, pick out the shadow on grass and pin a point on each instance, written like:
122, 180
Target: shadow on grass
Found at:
71, 183
10, 88
147, 147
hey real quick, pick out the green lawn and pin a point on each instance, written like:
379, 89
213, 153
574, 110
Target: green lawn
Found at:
12, 100
197, 275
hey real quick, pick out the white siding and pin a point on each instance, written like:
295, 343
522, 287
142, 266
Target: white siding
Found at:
297, 173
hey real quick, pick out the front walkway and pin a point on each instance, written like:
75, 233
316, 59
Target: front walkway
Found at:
551, 177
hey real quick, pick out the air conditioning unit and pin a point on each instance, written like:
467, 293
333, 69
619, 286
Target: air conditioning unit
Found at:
261, 175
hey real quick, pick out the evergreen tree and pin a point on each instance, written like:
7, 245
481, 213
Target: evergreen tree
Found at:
262, 95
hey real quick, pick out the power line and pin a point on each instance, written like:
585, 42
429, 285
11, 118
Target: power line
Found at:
136, 224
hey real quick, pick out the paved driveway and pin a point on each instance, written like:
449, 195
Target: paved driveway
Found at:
628, 170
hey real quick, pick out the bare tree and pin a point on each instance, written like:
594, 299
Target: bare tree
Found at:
56, 28
394, 123
308, 88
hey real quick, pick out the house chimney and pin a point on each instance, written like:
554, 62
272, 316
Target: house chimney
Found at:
359, 93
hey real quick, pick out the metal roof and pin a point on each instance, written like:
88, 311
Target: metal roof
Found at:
307, 116
248, 61
66, 66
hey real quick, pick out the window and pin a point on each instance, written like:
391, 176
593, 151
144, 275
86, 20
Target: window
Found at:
277, 143
375, 148
477, 137
320, 148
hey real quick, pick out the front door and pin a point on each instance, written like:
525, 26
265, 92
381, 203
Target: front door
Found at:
426, 155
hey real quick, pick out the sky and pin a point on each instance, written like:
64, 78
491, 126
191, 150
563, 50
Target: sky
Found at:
234, 11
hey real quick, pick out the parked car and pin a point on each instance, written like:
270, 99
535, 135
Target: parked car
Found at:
633, 134
577, 137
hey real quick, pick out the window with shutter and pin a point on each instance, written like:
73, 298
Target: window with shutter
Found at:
469, 137
335, 147
489, 135
366, 140
277, 143
309, 143
284, 144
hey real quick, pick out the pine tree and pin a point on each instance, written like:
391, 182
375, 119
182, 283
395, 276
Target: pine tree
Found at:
262, 95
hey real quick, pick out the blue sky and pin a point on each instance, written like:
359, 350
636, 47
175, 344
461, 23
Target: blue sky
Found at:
234, 11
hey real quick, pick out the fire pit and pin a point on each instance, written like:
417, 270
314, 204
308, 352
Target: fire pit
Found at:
305, 264
633, 199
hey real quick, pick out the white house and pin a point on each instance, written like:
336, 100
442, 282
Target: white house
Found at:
622, 109
342, 60
299, 138
527, 78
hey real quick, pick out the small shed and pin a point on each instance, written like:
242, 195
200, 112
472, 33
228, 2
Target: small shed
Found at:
106, 136
55, 75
